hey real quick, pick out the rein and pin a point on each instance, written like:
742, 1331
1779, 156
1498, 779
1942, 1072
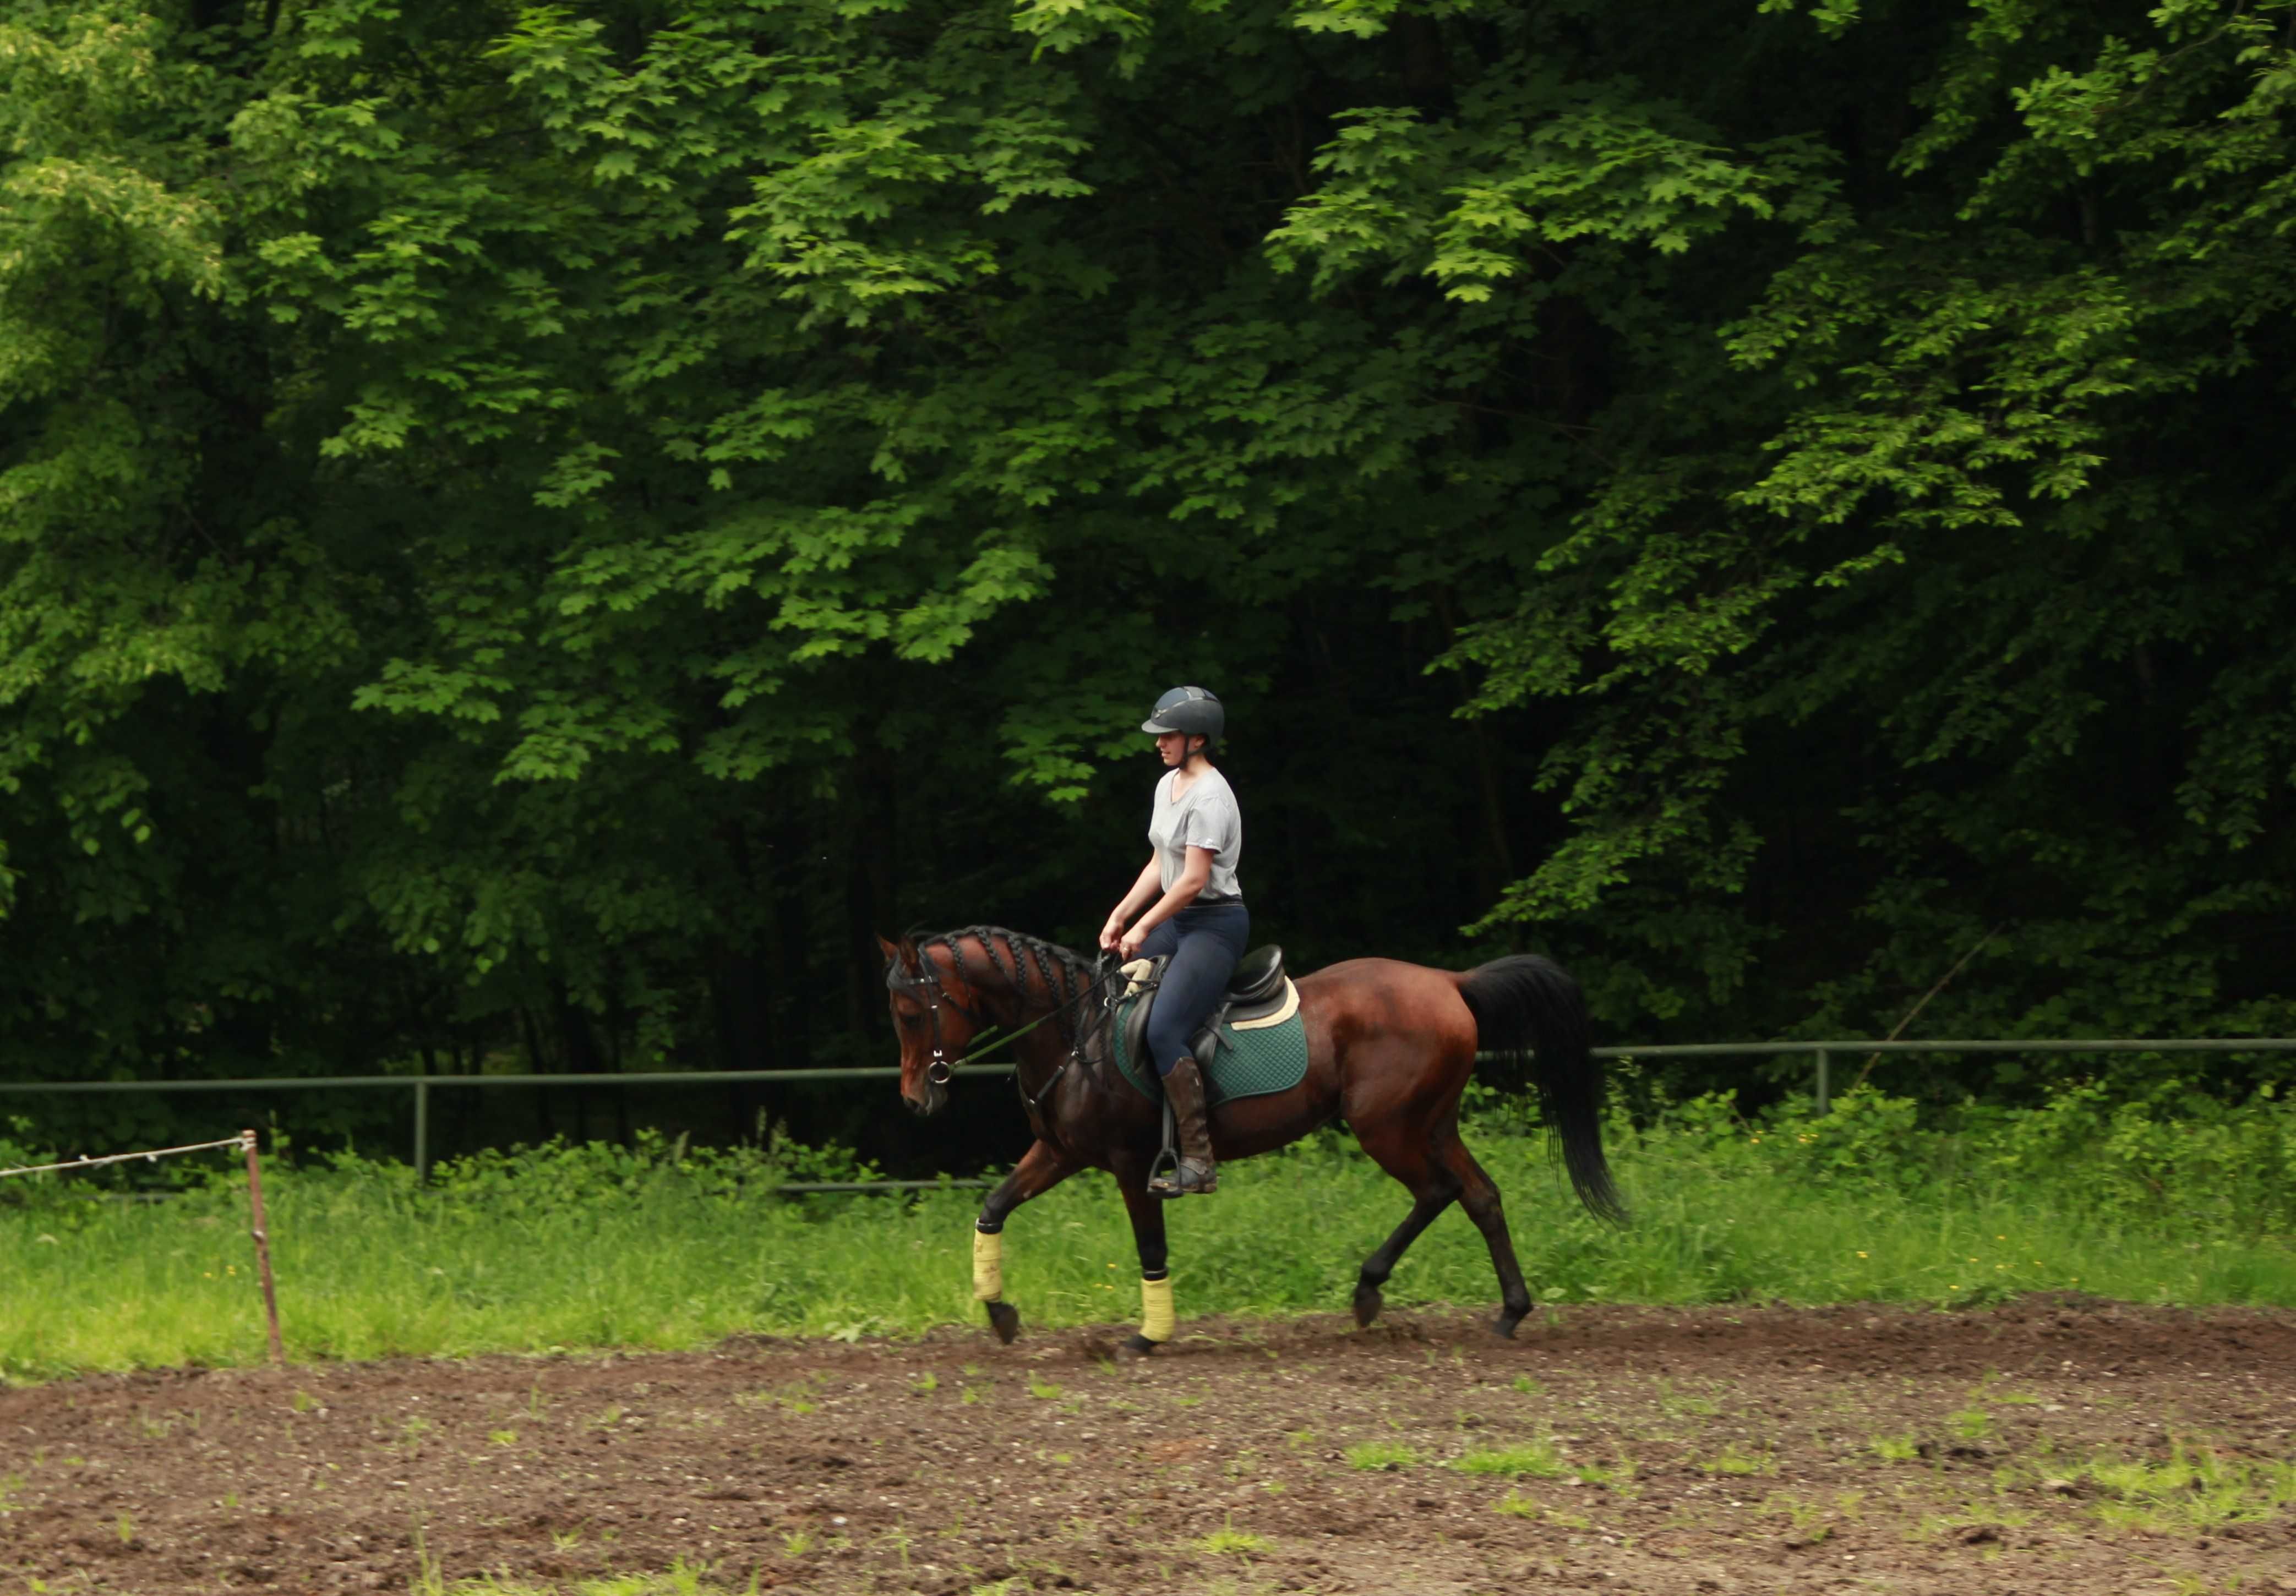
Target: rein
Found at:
943, 1069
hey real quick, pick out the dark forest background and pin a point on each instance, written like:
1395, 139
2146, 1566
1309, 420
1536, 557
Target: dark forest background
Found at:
529, 535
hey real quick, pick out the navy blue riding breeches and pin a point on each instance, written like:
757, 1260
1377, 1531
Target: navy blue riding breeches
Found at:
1205, 941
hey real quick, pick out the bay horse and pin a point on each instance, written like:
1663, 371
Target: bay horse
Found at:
1391, 1047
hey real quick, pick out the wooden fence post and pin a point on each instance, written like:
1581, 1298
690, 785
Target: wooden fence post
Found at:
263, 1247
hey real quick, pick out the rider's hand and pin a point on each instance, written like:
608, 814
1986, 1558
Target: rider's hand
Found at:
1110, 932
1128, 946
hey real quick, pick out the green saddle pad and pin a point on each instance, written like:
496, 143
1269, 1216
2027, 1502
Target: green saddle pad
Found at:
1248, 1063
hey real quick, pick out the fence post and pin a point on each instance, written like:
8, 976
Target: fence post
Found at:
421, 1130
261, 1226
1825, 1081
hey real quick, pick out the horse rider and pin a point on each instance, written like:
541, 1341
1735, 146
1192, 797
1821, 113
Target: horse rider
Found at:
1194, 912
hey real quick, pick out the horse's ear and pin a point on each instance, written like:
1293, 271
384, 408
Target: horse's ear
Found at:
891, 950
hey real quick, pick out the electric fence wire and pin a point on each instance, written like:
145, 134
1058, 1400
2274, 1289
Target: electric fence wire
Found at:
243, 1142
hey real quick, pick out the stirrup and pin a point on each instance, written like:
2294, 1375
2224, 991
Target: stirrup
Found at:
1164, 1172
1187, 1178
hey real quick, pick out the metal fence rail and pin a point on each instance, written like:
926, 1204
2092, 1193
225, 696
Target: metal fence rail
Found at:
1820, 1053
422, 1085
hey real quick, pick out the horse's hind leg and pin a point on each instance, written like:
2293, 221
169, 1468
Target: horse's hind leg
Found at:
1406, 1153
1479, 1196
1039, 1170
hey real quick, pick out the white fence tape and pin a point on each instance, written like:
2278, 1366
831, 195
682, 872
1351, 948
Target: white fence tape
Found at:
243, 1142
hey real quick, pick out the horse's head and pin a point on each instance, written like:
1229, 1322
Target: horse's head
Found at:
936, 1015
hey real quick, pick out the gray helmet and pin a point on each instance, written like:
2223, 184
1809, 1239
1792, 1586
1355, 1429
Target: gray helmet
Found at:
1190, 709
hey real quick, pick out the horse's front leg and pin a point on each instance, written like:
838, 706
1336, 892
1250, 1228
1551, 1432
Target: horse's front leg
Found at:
1147, 1212
1040, 1169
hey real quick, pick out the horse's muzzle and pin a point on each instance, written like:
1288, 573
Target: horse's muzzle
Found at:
934, 1098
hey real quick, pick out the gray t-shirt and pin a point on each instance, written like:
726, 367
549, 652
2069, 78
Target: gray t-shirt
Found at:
1206, 817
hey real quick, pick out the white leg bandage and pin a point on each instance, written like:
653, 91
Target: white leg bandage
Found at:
988, 1266
1156, 1319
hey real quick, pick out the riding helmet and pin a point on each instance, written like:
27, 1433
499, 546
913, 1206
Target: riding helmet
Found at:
1190, 709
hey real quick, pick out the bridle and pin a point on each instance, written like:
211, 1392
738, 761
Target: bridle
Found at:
926, 981
924, 984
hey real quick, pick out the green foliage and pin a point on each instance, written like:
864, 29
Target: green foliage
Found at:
16, 1152
559, 1176
2079, 1146
527, 534
1944, 549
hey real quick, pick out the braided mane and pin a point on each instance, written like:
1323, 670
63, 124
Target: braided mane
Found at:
1033, 967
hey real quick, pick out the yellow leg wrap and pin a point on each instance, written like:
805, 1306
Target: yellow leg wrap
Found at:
1156, 1310
988, 1266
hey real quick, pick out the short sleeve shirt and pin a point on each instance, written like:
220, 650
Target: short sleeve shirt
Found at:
1206, 817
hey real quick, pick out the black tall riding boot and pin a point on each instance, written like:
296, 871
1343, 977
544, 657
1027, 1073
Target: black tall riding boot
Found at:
1197, 1171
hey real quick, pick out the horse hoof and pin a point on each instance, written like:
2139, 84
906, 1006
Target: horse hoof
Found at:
1504, 1325
1136, 1347
1367, 1305
1004, 1319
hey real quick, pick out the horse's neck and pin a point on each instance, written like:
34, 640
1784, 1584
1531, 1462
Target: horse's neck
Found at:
1040, 1052
1050, 1029
1035, 999
1012, 1006
1025, 992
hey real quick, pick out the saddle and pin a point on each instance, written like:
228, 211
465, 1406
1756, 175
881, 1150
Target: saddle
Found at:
1258, 993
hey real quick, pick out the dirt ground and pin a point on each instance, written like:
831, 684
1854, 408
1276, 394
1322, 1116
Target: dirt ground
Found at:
2046, 1446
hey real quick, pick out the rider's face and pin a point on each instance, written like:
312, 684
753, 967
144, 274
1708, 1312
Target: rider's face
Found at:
1172, 747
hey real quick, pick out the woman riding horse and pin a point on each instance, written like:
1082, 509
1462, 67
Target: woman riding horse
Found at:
1389, 1049
1195, 916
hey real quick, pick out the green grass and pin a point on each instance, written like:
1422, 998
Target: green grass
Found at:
1373, 1456
523, 1256
2194, 1490
1538, 1459
1730, 1460
680, 1581
1227, 1541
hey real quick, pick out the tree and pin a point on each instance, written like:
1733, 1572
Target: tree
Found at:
537, 530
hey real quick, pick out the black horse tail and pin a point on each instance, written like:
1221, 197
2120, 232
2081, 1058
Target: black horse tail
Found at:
1531, 1017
